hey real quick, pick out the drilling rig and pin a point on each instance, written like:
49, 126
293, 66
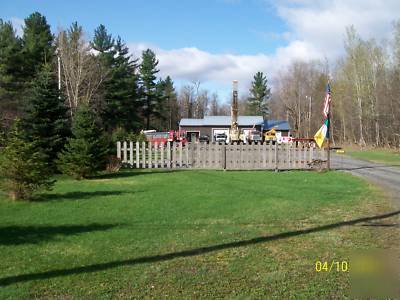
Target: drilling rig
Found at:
234, 133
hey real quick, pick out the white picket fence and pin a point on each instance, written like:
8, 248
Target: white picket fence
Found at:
219, 156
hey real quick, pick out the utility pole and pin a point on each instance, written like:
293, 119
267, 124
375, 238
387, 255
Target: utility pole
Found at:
299, 116
59, 72
59, 69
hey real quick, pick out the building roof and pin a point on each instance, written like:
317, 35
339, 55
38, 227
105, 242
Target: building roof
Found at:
277, 124
242, 121
222, 121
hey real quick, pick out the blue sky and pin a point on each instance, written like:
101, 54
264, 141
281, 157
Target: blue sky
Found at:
240, 27
217, 41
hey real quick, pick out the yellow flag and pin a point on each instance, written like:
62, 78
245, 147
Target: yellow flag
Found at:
320, 136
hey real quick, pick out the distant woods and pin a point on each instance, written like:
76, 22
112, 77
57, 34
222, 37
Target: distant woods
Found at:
365, 92
127, 94
124, 92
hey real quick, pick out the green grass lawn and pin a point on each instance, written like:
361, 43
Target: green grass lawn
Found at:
385, 156
188, 234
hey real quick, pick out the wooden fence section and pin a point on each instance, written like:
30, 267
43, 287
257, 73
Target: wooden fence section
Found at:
261, 156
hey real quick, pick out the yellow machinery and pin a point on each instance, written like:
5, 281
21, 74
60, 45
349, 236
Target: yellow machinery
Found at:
270, 135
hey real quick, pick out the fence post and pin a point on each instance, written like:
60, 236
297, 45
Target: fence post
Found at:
180, 154
131, 153
276, 157
162, 155
137, 155
150, 156
119, 150
125, 150
144, 155
187, 154
197, 154
168, 155
224, 156
156, 155
174, 155
311, 154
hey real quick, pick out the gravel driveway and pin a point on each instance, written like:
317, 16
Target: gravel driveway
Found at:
386, 176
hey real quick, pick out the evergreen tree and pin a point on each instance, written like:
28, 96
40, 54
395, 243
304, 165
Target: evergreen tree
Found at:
23, 166
150, 95
159, 120
104, 44
168, 106
37, 44
121, 91
259, 96
45, 120
102, 41
10, 72
86, 150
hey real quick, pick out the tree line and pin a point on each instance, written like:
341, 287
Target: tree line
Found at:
100, 73
65, 100
365, 92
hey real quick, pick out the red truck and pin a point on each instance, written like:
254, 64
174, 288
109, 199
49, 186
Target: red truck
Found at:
165, 136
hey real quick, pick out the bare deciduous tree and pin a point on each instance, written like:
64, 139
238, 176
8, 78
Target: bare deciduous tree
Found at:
82, 72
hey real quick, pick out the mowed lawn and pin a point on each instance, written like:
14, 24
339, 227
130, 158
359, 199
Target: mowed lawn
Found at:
188, 234
386, 156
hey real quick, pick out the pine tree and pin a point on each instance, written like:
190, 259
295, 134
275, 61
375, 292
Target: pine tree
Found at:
259, 95
45, 120
86, 150
37, 44
10, 72
168, 106
102, 41
121, 91
150, 96
104, 44
23, 166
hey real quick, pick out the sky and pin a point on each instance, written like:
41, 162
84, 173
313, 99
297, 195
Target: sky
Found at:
217, 41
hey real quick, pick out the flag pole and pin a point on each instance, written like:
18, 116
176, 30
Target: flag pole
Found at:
328, 166
328, 163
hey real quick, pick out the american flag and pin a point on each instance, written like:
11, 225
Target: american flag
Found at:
327, 102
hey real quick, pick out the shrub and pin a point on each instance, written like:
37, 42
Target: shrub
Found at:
23, 166
114, 164
119, 134
86, 152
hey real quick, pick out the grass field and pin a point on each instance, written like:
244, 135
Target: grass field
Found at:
385, 156
188, 234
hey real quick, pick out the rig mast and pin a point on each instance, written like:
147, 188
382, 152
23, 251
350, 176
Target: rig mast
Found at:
234, 132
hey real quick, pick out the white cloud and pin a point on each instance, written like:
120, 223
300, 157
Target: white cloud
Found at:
18, 25
316, 30
323, 23
195, 64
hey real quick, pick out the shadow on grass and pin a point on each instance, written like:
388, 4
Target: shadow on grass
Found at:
75, 195
381, 225
383, 167
131, 173
185, 253
17, 235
